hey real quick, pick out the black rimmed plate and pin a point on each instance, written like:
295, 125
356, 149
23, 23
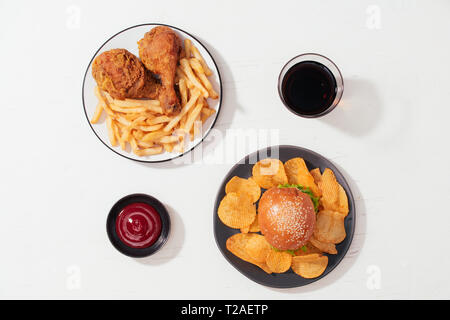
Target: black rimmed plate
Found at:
128, 39
243, 169
111, 225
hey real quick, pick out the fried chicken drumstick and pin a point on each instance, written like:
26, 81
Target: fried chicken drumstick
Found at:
122, 75
159, 51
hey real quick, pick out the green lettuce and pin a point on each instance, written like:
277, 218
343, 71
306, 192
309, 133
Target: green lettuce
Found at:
291, 252
308, 191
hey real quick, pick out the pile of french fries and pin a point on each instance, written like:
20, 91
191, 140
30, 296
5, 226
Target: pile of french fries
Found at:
142, 123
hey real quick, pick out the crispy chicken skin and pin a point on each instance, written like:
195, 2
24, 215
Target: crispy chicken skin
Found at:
122, 75
159, 51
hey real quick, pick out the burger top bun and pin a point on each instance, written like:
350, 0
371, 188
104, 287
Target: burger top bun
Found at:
286, 217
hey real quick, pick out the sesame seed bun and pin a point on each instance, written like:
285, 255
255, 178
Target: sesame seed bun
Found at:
286, 217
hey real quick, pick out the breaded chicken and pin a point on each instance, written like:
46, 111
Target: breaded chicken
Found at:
122, 75
159, 51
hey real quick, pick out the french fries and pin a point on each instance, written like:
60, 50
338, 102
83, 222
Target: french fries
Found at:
186, 67
200, 72
142, 123
198, 56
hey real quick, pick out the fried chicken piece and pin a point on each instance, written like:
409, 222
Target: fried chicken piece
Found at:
122, 75
159, 50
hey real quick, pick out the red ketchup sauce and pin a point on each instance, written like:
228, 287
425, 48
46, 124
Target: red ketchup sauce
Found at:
138, 225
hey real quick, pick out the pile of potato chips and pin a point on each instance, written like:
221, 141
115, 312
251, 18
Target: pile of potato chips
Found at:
237, 210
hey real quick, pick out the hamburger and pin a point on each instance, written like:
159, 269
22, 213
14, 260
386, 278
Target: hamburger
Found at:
286, 216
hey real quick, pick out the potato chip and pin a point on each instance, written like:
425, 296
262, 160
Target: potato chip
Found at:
316, 175
329, 227
269, 173
278, 261
257, 247
237, 243
333, 194
309, 266
240, 185
308, 248
245, 229
298, 173
237, 210
323, 246
254, 227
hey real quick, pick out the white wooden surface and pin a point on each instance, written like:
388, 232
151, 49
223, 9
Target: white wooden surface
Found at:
389, 135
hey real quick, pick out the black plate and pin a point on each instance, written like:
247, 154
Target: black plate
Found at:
243, 169
111, 225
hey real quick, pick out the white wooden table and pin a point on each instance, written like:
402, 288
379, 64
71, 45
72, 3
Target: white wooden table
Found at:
389, 135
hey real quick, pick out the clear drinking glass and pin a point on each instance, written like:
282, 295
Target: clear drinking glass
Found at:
319, 59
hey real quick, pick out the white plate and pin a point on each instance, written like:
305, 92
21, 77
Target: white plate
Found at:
128, 39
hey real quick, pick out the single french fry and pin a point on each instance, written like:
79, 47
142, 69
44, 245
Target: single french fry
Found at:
191, 76
183, 121
127, 110
138, 134
149, 151
169, 139
97, 113
122, 120
182, 75
126, 134
200, 73
197, 55
134, 116
101, 97
157, 120
145, 144
155, 135
134, 145
111, 134
183, 111
192, 116
138, 121
122, 143
187, 48
151, 105
183, 91
99, 94
150, 128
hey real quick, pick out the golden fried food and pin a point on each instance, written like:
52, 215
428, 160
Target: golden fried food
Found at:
122, 75
329, 227
237, 245
241, 185
298, 173
279, 261
257, 248
333, 194
254, 227
269, 173
323, 246
159, 50
237, 210
316, 175
309, 266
